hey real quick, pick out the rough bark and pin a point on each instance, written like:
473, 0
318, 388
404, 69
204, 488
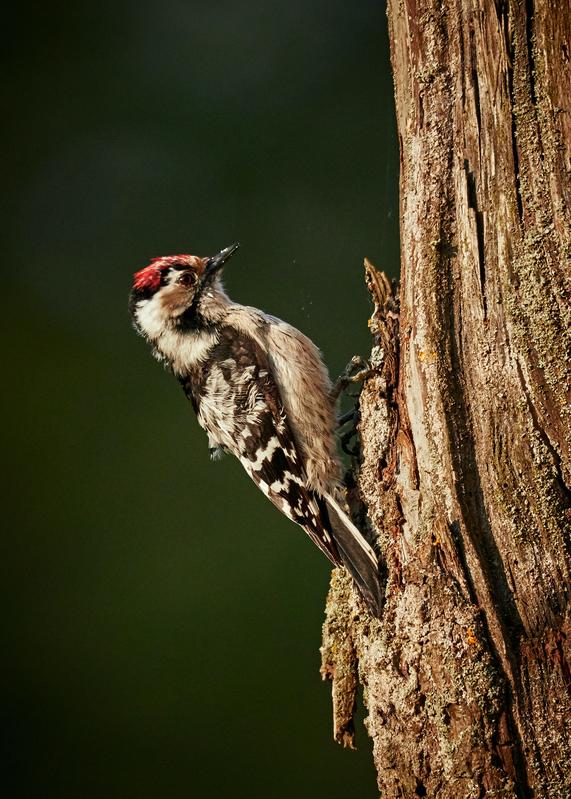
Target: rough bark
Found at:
465, 469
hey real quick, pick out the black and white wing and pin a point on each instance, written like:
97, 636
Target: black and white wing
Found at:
238, 404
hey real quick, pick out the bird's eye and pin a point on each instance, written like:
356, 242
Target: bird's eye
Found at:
187, 279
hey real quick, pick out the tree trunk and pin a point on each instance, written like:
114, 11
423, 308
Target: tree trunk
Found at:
465, 468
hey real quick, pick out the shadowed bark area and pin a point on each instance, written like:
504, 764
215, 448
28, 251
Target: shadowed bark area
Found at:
465, 468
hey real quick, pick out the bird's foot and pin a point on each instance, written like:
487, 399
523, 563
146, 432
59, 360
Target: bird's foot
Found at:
349, 421
357, 370
217, 452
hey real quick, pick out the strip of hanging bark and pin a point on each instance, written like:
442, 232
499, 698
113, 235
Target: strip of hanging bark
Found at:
345, 613
338, 656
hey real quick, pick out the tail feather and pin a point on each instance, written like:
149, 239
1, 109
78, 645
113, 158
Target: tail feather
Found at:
357, 555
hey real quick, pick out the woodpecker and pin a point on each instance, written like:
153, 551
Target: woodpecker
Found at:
260, 390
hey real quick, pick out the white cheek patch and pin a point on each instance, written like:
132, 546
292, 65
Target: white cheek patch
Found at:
181, 350
151, 317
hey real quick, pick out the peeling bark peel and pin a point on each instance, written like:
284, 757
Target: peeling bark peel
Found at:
339, 659
466, 417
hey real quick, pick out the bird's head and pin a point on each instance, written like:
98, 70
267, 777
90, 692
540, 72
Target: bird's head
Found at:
174, 288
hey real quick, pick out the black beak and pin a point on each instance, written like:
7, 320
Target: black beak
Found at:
217, 261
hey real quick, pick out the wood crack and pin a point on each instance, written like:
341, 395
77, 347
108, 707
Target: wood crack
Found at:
530, 40
479, 220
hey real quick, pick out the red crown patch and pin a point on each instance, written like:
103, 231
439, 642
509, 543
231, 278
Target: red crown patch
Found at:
150, 276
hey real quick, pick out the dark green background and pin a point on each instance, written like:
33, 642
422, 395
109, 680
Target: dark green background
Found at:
161, 619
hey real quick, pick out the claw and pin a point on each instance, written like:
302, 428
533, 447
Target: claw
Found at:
345, 418
349, 419
353, 451
348, 375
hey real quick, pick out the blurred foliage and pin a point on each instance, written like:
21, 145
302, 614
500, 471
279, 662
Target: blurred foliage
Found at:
161, 619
